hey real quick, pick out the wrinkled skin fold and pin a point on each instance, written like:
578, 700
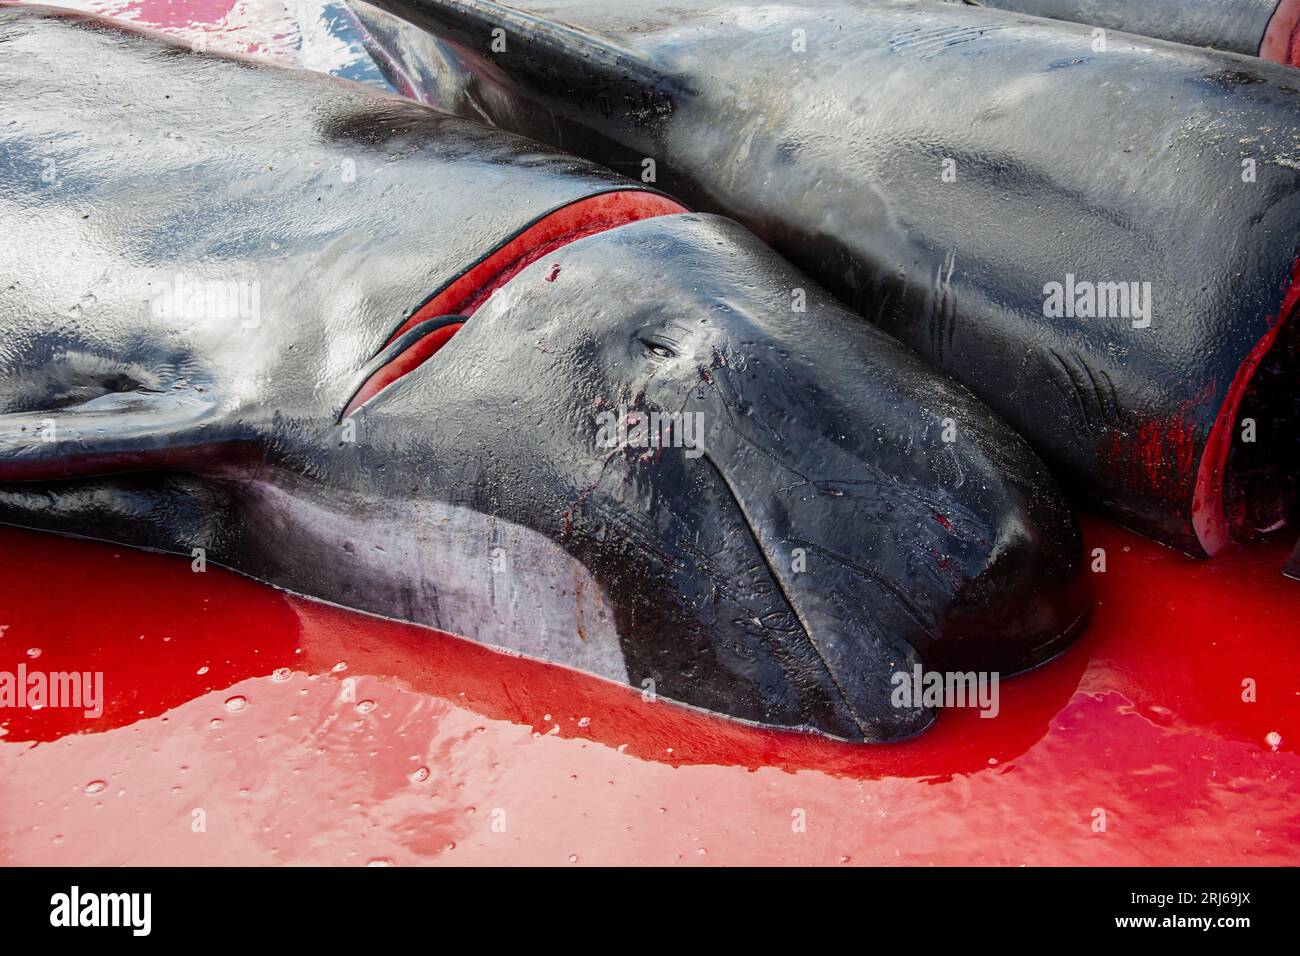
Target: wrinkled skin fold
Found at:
842, 512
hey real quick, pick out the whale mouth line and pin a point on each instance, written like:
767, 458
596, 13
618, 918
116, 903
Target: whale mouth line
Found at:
783, 591
466, 293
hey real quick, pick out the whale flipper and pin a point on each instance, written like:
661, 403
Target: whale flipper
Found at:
125, 460
119, 432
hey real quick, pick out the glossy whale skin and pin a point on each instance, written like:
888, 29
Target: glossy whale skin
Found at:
209, 256
1253, 27
957, 174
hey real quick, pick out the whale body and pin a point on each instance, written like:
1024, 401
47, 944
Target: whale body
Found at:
397, 360
1100, 244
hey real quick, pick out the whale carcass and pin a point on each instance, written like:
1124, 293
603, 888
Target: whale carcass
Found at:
1098, 242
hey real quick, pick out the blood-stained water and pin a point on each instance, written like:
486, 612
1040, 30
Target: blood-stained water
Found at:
244, 725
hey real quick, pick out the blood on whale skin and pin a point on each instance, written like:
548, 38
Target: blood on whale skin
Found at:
821, 537
1265, 28
1239, 493
941, 166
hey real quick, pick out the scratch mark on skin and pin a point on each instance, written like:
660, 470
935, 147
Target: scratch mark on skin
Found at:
926, 43
767, 453
1096, 392
882, 308
492, 545
943, 314
1065, 382
936, 318
578, 583
711, 380
923, 621
1117, 408
955, 460
828, 485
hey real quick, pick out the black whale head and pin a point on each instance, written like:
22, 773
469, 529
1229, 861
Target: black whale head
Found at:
780, 507
783, 507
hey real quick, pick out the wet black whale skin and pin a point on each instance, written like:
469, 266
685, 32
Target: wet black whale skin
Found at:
820, 433
1118, 166
1237, 26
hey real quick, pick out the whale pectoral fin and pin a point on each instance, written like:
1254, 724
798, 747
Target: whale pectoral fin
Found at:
119, 465
175, 513
141, 430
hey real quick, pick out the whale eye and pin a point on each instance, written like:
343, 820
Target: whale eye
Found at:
658, 349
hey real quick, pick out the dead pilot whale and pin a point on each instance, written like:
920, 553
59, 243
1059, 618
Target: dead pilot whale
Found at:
1100, 244
362, 350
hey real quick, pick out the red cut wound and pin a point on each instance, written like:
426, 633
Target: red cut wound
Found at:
1231, 472
390, 372
467, 292
1281, 41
